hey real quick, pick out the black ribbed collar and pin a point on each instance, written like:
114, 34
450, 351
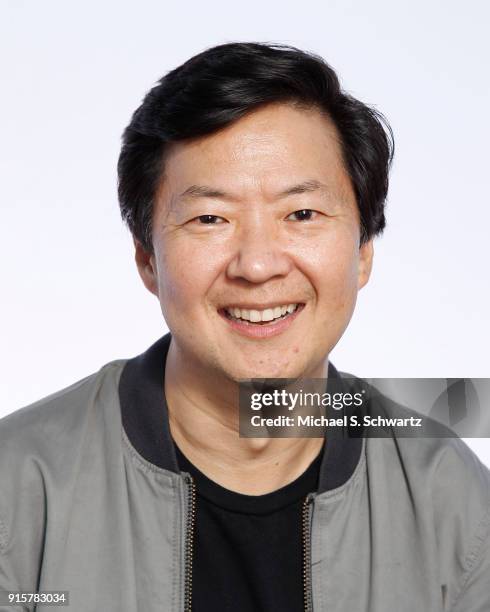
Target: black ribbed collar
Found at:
145, 419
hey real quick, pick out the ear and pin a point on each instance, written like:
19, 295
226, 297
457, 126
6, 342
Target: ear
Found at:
145, 262
366, 252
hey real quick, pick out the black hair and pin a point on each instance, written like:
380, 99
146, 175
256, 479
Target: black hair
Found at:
222, 84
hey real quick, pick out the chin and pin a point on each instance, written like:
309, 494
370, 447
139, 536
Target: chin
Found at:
265, 371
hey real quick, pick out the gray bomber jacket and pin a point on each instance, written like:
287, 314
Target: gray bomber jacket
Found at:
92, 502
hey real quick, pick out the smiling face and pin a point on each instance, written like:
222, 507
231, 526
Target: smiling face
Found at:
256, 259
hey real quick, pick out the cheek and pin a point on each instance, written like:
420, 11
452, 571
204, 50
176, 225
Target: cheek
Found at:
332, 266
186, 270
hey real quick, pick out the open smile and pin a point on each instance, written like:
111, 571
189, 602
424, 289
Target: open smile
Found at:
261, 323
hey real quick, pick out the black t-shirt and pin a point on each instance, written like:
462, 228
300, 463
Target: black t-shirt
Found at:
248, 549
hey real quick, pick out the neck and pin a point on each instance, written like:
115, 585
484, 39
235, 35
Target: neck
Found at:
203, 417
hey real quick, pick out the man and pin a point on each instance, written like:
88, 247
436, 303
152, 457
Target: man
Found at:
253, 187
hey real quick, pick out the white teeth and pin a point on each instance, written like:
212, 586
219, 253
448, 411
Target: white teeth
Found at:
256, 316
267, 314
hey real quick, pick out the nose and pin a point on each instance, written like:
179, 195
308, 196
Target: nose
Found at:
259, 254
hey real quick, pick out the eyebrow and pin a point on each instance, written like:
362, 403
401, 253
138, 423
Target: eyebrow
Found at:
304, 187
202, 191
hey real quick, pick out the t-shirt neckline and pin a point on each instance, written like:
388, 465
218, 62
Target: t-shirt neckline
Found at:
289, 494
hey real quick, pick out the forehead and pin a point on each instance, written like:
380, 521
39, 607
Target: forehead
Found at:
268, 149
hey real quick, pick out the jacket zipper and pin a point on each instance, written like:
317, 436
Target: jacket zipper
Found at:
306, 528
189, 542
189, 547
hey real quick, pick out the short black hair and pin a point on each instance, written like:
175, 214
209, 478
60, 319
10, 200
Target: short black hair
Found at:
222, 84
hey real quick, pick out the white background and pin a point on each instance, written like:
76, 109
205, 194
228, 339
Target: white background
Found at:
73, 72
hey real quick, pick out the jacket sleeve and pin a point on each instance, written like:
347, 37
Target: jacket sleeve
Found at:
474, 594
23, 511
40, 448
20, 550
7, 579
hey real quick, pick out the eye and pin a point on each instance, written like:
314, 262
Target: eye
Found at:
209, 219
306, 214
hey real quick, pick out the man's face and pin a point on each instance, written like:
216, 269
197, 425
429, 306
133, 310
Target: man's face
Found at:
255, 218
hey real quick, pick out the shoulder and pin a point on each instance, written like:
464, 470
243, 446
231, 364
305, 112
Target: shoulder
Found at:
433, 455
48, 416
445, 487
41, 437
